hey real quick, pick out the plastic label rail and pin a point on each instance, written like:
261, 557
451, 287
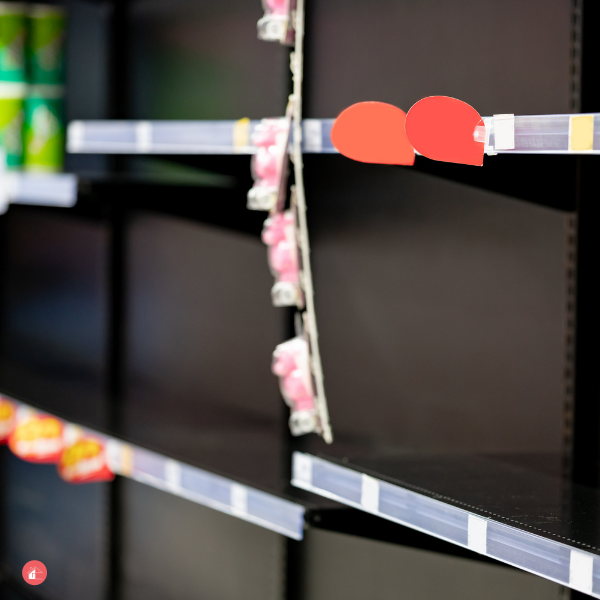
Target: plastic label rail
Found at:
529, 134
539, 555
53, 189
534, 134
183, 137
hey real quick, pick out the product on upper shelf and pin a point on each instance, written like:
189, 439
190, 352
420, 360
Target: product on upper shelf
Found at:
7, 418
280, 235
83, 459
291, 363
32, 71
13, 28
45, 45
36, 437
277, 24
44, 131
268, 164
13, 25
11, 125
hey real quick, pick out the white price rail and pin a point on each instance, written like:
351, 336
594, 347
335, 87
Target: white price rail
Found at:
543, 134
52, 189
182, 137
214, 491
506, 134
200, 486
539, 555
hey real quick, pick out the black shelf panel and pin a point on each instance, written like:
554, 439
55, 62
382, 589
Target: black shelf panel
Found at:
532, 521
269, 508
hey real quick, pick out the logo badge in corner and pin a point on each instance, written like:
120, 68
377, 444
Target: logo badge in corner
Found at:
34, 572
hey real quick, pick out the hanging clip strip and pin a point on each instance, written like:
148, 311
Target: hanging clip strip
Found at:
310, 316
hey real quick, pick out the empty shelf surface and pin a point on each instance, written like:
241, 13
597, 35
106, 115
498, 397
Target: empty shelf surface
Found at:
535, 522
268, 510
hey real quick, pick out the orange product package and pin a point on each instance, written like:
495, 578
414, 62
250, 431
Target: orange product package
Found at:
36, 437
84, 461
7, 418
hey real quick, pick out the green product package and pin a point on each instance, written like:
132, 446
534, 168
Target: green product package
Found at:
11, 130
44, 133
13, 25
45, 45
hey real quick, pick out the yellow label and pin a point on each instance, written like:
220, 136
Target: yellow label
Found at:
126, 460
582, 133
241, 135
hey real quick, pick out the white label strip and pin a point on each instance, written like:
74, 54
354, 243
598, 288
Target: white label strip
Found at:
581, 572
143, 137
477, 534
504, 132
313, 135
173, 475
114, 450
239, 499
75, 136
302, 469
369, 496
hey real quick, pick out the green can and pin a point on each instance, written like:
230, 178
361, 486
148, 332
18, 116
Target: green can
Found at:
46, 44
11, 128
13, 26
44, 131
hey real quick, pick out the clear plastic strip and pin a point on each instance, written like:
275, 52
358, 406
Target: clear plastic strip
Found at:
204, 487
538, 555
58, 189
533, 134
181, 137
42, 189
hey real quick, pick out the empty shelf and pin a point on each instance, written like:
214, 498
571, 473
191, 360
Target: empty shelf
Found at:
201, 486
534, 522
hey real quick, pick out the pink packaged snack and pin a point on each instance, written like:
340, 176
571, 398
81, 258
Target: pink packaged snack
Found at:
291, 363
270, 137
279, 234
277, 24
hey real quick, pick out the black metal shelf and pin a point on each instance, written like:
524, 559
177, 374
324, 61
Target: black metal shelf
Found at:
532, 521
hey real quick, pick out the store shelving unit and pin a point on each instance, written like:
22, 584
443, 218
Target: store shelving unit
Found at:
448, 300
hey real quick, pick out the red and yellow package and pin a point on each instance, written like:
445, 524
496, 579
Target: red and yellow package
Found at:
36, 438
84, 461
7, 419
